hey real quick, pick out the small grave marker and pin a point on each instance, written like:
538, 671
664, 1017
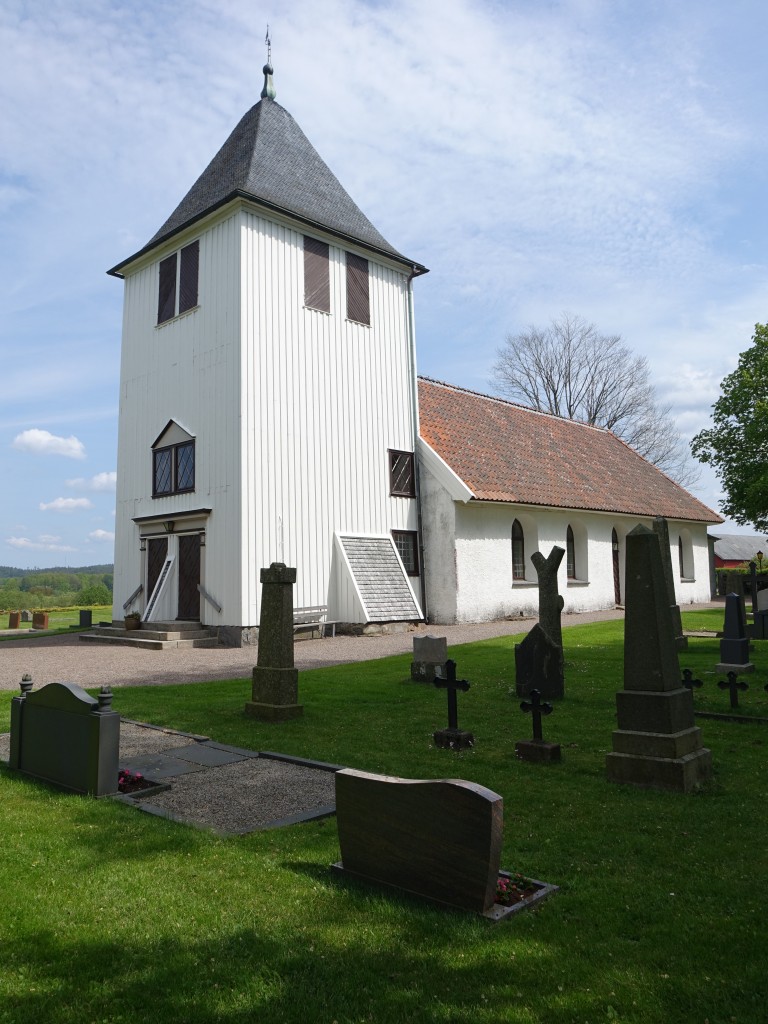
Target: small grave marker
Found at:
734, 647
430, 654
452, 737
40, 620
537, 749
733, 685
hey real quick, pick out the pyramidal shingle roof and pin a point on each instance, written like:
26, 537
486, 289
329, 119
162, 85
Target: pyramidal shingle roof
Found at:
506, 452
268, 158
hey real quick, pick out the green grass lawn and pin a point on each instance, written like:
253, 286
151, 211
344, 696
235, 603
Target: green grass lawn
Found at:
60, 620
111, 915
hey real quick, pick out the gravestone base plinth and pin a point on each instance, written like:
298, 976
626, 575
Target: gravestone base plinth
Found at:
455, 739
738, 669
275, 692
273, 712
681, 774
538, 751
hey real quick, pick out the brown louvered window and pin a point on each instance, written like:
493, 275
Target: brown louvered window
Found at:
166, 297
402, 481
190, 260
178, 279
358, 299
317, 278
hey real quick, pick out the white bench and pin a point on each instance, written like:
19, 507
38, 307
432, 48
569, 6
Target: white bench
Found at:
313, 617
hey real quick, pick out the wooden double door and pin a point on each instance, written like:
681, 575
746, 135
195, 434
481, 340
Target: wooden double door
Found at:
188, 571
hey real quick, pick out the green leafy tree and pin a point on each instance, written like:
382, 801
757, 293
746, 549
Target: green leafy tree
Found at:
97, 593
736, 445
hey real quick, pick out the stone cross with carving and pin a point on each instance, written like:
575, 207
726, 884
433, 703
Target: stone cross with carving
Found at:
550, 600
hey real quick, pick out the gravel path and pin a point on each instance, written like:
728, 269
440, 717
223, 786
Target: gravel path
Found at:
66, 659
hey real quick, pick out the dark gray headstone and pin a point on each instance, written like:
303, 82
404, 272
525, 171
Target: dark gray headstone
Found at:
661, 529
538, 665
734, 646
26, 615
657, 744
275, 688
63, 735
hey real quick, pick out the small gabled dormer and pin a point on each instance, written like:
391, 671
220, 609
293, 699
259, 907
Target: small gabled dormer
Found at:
173, 461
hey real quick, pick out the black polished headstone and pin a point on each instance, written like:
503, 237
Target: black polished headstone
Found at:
734, 647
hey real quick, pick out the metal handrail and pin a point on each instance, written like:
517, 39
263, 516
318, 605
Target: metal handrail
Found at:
133, 597
209, 597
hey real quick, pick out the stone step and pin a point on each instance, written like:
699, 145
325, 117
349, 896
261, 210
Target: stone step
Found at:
151, 639
198, 633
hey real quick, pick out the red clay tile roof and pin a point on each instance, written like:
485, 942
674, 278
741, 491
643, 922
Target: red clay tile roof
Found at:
506, 452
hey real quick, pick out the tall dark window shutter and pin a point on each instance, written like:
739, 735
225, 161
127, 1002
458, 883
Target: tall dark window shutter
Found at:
317, 278
166, 296
190, 261
358, 299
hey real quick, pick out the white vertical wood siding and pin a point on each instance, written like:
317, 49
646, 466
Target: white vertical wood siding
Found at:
186, 370
323, 400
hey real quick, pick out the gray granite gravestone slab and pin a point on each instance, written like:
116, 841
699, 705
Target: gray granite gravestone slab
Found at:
538, 665
760, 630
63, 735
734, 647
429, 653
661, 529
657, 744
275, 688
26, 615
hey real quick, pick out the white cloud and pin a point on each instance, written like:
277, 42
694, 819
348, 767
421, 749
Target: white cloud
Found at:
42, 442
65, 504
99, 482
101, 535
44, 543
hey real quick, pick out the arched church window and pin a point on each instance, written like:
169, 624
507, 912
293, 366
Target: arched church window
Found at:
518, 551
570, 554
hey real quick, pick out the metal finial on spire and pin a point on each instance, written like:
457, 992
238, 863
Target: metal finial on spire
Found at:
268, 92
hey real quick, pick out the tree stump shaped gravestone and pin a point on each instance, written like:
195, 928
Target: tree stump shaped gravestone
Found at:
275, 688
539, 658
657, 744
734, 647
661, 529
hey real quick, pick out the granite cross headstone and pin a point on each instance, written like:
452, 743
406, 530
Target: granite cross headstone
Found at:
657, 744
689, 682
550, 600
537, 749
275, 688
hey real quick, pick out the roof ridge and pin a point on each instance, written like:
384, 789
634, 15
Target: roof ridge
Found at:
518, 405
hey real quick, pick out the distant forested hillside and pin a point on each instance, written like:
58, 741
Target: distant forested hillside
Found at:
60, 587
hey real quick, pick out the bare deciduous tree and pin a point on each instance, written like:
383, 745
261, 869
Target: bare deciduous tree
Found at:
572, 370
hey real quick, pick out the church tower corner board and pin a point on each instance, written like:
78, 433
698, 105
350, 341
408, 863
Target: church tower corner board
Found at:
267, 397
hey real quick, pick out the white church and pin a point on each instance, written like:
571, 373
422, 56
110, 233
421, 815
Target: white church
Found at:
270, 411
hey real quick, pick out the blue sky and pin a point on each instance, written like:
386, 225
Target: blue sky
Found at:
602, 158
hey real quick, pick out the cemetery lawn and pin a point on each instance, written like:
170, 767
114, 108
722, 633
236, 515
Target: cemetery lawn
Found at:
60, 620
110, 915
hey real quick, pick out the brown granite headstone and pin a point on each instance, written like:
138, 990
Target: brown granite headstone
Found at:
275, 688
437, 838
657, 744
